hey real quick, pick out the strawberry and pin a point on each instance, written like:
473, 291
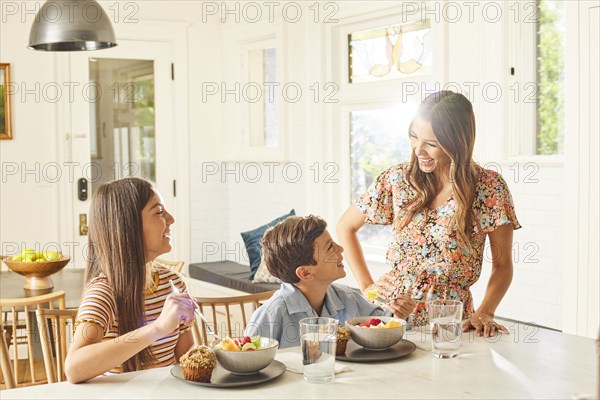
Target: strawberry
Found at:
247, 340
375, 321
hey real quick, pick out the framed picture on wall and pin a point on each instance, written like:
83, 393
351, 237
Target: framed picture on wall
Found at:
5, 112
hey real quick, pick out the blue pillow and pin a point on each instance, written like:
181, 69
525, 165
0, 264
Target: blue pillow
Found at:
252, 242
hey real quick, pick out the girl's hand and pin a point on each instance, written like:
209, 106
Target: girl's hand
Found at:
402, 307
484, 324
178, 309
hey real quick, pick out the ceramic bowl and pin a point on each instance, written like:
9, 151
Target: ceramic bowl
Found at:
247, 362
375, 338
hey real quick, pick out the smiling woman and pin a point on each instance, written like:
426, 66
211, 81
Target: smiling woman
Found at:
5, 100
441, 206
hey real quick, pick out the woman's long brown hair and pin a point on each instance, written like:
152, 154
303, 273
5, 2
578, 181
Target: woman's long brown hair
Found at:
453, 123
116, 249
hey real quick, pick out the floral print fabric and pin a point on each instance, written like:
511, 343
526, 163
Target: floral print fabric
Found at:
426, 257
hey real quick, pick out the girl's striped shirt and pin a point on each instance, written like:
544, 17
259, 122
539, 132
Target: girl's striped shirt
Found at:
98, 306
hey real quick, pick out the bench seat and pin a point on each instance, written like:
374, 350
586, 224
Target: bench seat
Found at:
229, 274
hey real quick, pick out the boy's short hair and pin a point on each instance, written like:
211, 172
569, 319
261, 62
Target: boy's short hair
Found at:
290, 244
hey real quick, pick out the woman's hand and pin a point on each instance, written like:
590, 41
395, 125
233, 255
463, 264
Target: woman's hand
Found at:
178, 309
402, 307
484, 324
386, 291
385, 287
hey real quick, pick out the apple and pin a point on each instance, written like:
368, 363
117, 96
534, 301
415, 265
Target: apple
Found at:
248, 347
26, 255
48, 255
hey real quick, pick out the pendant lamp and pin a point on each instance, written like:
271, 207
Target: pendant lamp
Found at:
70, 25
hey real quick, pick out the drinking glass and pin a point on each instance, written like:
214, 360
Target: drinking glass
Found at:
318, 341
445, 321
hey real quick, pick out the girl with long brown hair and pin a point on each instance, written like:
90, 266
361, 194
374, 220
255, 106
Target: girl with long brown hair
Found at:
441, 206
129, 318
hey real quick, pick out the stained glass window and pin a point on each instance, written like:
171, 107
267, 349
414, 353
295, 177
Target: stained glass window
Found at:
392, 52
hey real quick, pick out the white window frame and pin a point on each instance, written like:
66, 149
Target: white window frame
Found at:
238, 41
370, 95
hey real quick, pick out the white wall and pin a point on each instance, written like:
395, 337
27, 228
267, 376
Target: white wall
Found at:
28, 201
535, 294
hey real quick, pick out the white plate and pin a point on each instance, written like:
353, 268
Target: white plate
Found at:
221, 378
357, 353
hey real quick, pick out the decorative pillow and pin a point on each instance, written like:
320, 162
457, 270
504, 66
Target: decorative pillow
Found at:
252, 242
263, 275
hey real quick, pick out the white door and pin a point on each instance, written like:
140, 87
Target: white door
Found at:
122, 125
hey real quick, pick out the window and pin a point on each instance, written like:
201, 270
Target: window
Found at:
550, 77
122, 124
379, 61
253, 91
537, 86
392, 52
379, 139
262, 69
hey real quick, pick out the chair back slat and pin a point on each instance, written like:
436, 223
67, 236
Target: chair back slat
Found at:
56, 336
7, 371
174, 265
243, 308
22, 336
230, 311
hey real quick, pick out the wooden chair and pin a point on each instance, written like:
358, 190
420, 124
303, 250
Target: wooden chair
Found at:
56, 328
27, 336
174, 265
230, 311
7, 372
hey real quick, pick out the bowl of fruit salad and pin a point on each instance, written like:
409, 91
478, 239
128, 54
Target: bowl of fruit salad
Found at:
245, 355
376, 333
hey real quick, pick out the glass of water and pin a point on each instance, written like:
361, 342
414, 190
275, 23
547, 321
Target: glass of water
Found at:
318, 341
445, 322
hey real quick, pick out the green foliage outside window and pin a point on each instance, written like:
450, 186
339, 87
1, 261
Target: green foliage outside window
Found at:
550, 108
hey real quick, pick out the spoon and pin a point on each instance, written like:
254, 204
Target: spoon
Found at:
197, 311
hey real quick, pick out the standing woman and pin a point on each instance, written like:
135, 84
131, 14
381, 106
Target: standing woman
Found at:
442, 206
129, 318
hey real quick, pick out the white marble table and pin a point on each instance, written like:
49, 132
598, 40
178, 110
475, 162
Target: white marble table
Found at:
528, 363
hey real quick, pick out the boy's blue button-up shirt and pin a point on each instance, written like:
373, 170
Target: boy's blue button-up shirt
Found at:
279, 317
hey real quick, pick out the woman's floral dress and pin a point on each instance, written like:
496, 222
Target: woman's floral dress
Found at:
425, 255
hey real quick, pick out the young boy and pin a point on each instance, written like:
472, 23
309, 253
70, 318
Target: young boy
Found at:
300, 252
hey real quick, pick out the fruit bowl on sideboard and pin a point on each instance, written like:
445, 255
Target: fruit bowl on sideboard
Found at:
37, 273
